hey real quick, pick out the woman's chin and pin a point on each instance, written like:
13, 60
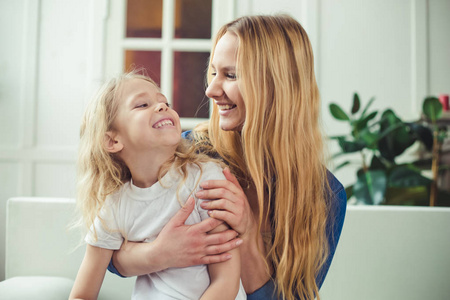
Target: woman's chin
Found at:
230, 124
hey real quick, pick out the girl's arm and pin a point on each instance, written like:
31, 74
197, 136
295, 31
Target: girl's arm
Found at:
233, 207
169, 249
91, 273
224, 276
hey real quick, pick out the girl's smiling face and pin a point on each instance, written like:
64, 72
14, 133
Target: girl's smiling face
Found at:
223, 87
144, 120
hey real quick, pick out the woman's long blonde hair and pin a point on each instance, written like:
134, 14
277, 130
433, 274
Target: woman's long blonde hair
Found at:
101, 173
280, 147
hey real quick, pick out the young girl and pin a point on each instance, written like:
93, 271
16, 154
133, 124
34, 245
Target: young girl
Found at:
133, 172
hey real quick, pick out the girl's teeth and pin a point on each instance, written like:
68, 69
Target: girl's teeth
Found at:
166, 122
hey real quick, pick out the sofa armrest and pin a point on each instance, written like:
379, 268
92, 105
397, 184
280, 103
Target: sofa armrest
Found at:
39, 243
36, 287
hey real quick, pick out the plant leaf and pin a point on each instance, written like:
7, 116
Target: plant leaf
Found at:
349, 192
432, 108
376, 163
356, 104
370, 187
337, 112
336, 137
361, 124
407, 176
417, 195
370, 139
367, 106
422, 164
350, 146
396, 136
423, 134
341, 165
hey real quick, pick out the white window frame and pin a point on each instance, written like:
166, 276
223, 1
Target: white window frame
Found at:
116, 42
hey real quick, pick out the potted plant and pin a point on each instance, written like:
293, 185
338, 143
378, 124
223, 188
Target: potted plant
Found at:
380, 139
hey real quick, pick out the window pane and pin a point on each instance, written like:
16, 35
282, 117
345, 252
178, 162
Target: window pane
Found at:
144, 18
193, 19
189, 98
150, 60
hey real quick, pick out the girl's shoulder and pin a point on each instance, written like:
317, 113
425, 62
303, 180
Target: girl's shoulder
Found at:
206, 170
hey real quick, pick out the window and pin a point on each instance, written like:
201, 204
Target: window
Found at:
171, 39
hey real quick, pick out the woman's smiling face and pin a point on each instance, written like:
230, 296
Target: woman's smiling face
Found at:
223, 87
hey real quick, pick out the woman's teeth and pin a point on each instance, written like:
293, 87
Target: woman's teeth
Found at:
163, 123
226, 107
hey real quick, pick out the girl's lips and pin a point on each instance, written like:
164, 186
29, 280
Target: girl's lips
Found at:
163, 122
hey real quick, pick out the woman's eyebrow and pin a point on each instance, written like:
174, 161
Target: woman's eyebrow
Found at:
226, 68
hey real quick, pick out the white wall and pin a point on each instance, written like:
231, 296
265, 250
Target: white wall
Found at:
46, 60
52, 57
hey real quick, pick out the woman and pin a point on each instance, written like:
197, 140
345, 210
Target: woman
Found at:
286, 208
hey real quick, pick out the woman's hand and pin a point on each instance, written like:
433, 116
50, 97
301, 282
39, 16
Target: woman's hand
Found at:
187, 245
177, 245
230, 203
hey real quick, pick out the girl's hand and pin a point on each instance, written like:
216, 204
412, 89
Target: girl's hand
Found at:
230, 203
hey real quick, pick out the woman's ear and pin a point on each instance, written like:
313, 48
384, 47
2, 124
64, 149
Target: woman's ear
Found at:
112, 145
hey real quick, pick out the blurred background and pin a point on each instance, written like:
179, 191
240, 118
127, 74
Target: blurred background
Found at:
55, 53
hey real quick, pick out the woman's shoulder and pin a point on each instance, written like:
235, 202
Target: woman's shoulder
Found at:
335, 185
337, 190
337, 200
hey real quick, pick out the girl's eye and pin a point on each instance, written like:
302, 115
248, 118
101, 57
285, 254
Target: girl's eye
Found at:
231, 76
168, 105
142, 105
213, 74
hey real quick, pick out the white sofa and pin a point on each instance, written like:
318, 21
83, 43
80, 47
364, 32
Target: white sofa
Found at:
384, 253
43, 255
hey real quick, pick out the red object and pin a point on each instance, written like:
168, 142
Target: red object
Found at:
444, 101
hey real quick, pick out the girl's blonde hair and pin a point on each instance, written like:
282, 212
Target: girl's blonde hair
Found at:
280, 147
101, 173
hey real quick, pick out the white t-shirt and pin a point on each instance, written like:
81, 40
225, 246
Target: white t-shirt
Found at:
141, 213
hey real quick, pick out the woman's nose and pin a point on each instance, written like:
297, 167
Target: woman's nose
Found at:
161, 107
214, 89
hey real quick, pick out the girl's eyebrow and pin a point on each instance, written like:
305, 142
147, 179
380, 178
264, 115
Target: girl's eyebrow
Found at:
135, 97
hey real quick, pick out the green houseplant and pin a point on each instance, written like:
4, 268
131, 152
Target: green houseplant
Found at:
380, 139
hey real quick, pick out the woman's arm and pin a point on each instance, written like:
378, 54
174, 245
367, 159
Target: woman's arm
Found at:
231, 205
91, 273
224, 276
177, 245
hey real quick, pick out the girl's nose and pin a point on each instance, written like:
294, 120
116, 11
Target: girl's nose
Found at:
161, 107
214, 89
